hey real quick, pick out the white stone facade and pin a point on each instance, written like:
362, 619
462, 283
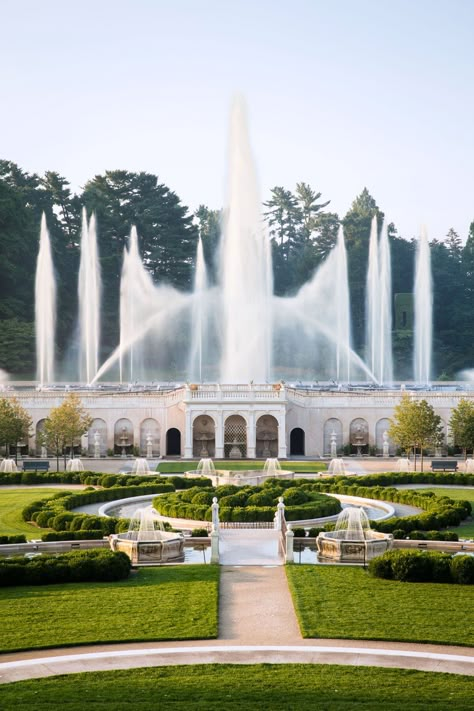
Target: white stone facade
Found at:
232, 420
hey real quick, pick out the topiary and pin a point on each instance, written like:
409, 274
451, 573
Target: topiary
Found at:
462, 569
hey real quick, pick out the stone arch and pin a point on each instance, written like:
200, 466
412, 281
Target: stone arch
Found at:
359, 435
235, 437
173, 442
150, 430
123, 436
330, 426
297, 442
39, 448
98, 429
204, 436
381, 427
266, 437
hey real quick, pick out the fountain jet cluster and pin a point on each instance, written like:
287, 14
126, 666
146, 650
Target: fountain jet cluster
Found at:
237, 330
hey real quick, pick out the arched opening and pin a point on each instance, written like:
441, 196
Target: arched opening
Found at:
150, 438
39, 444
173, 442
381, 436
123, 437
297, 442
332, 435
359, 436
266, 437
204, 437
235, 437
97, 438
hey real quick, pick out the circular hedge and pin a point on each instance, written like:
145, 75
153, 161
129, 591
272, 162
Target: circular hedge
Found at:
249, 503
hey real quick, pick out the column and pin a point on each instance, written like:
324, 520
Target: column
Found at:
282, 436
219, 431
188, 435
251, 435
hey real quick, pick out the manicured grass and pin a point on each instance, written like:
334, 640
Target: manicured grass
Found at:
278, 687
239, 465
345, 602
12, 503
176, 602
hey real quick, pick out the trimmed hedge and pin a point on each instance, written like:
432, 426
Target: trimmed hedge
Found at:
18, 538
74, 567
81, 535
239, 504
423, 566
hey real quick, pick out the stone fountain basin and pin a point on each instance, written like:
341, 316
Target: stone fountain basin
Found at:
169, 548
248, 477
348, 551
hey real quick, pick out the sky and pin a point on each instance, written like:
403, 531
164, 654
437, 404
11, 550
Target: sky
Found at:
342, 95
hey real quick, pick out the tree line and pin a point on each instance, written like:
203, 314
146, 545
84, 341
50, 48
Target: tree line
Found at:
302, 230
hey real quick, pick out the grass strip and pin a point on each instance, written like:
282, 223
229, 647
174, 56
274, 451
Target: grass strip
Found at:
278, 687
239, 465
168, 603
12, 503
346, 603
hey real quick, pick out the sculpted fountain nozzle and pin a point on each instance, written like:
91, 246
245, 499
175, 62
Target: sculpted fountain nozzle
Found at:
146, 542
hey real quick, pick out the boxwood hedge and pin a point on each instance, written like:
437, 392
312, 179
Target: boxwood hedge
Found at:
423, 566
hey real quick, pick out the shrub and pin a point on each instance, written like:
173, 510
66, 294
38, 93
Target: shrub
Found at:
295, 496
299, 532
18, 538
43, 518
411, 566
203, 497
199, 533
62, 521
381, 566
314, 532
462, 569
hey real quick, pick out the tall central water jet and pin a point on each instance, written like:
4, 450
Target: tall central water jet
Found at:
199, 316
245, 266
379, 307
89, 301
423, 325
343, 317
45, 308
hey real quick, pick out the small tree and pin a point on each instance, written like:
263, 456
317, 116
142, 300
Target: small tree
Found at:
65, 425
461, 425
15, 423
415, 425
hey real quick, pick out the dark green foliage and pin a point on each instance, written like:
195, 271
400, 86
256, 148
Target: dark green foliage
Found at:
423, 566
19, 538
199, 533
78, 566
299, 532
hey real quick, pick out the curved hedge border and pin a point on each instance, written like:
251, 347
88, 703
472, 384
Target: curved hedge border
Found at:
74, 567
423, 566
249, 503
55, 512
440, 511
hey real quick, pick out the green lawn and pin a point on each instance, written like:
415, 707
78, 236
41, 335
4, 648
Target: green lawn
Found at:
12, 503
240, 465
345, 602
275, 687
176, 602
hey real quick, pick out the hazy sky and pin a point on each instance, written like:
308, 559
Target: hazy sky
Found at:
341, 94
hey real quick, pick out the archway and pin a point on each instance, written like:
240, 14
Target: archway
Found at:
297, 442
123, 436
150, 436
235, 437
266, 437
332, 429
359, 435
204, 436
380, 428
97, 434
173, 442
39, 447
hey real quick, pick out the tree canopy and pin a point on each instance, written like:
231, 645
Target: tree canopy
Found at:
415, 425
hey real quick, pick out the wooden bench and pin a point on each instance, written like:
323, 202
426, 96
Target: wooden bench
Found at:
444, 465
36, 466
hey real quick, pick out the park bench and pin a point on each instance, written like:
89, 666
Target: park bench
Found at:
444, 465
36, 466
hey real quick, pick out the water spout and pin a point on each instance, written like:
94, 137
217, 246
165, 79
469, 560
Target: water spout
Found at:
423, 325
89, 301
45, 308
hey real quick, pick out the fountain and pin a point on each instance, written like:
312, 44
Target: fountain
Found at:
469, 466
97, 444
423, 325
206, 468
199, 317
403, 465
353, 541
379, 306
272, 468
89, 300
45, 308
140, 466
146, 542
8, 466
74, 465
337, 467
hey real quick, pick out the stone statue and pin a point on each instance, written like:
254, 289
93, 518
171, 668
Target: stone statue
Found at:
149, 446
333, 441
215, 514
96, 444
385, 445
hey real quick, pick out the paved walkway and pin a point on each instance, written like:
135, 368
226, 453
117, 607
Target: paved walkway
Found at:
257, 625
247, 546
